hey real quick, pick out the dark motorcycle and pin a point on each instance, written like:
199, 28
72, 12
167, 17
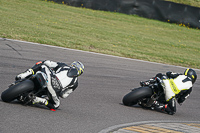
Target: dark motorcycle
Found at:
145, 95
24, 90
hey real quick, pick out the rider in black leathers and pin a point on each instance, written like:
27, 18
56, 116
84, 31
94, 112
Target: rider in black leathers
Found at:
175, 86
61, 80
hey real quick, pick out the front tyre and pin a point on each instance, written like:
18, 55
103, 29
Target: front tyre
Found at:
14, 91
137, 94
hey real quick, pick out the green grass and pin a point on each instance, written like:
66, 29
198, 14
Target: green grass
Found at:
99, 31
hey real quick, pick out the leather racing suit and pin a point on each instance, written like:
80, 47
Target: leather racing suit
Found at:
175, 86
61, 81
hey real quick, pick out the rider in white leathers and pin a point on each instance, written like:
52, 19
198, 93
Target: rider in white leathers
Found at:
61, 80
175, 86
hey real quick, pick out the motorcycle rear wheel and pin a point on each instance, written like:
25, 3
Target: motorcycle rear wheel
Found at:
14, 91
136, 94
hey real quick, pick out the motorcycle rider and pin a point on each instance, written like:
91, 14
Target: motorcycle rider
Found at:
175, 86
61, 80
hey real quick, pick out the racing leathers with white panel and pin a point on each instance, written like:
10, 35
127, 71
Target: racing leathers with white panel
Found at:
175, 86
61, 80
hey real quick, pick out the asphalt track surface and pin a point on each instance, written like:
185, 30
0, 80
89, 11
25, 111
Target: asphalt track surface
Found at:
96, 105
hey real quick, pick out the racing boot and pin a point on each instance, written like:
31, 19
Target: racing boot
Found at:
25, 74
43, 101
162, 107
157, 105
39, 100
65, 93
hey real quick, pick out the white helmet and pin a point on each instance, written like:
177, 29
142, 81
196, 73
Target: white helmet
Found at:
79, 67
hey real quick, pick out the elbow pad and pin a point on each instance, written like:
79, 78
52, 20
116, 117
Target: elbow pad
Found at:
65, 93
51, 64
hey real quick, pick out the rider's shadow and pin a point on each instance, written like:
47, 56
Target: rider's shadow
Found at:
136, 106
16, 102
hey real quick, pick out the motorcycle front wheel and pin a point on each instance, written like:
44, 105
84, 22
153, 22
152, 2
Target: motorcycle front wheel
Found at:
136, 94
14, 91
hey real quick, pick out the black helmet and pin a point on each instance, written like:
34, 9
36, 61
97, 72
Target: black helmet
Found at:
191, 73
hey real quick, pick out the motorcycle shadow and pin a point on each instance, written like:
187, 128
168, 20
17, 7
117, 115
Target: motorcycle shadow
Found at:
16, 102
145, 108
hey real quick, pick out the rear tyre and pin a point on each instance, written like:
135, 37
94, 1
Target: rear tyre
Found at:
137, 94
14, 91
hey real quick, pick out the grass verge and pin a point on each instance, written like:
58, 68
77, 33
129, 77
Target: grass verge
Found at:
99, 31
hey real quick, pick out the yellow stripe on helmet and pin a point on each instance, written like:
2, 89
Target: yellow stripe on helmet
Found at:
193, 76
186, 71
80, 71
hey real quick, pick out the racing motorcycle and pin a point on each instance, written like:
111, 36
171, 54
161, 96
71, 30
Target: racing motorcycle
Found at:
24, 90
145, 95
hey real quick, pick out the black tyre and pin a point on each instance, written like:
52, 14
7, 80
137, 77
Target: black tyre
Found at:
14, 91
137, 94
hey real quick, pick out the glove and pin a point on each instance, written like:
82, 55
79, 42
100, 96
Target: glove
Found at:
17, 78
146, 83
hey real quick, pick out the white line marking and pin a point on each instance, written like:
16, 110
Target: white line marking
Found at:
116, 127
